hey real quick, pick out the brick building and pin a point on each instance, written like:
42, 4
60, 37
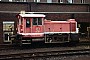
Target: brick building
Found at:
9, 19
51, 1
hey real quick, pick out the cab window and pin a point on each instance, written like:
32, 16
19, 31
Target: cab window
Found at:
37, 21
27, 22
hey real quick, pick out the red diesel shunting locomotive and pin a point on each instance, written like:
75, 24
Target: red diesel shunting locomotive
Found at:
34, 28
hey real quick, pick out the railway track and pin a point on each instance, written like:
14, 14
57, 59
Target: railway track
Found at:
9, 46
13, 52
44, 54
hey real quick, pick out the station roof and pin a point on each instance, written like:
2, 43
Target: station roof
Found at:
32, 15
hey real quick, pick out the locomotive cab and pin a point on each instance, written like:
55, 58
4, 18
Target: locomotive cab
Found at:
30, 27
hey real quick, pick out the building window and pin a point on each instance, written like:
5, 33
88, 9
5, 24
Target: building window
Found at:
18, 0
82, 1
8, 26
49, 1
10, 0
8, 29
36, 0
5, 0
60, 1
70, 1
13, 0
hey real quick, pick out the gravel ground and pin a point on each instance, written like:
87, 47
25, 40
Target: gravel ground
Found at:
14, 51
78, 57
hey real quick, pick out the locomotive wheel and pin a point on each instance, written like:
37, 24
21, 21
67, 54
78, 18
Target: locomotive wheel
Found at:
74, 39
17, 40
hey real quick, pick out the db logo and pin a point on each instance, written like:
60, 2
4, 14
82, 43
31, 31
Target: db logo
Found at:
37, 29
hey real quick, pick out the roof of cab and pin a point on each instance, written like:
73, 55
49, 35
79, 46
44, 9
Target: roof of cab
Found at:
32, 15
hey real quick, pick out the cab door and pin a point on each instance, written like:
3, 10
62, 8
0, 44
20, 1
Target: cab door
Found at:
37, 25
28, 25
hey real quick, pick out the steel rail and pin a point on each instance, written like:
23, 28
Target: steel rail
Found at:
45, 54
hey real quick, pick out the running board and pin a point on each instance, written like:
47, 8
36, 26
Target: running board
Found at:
58, 42
26, 43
